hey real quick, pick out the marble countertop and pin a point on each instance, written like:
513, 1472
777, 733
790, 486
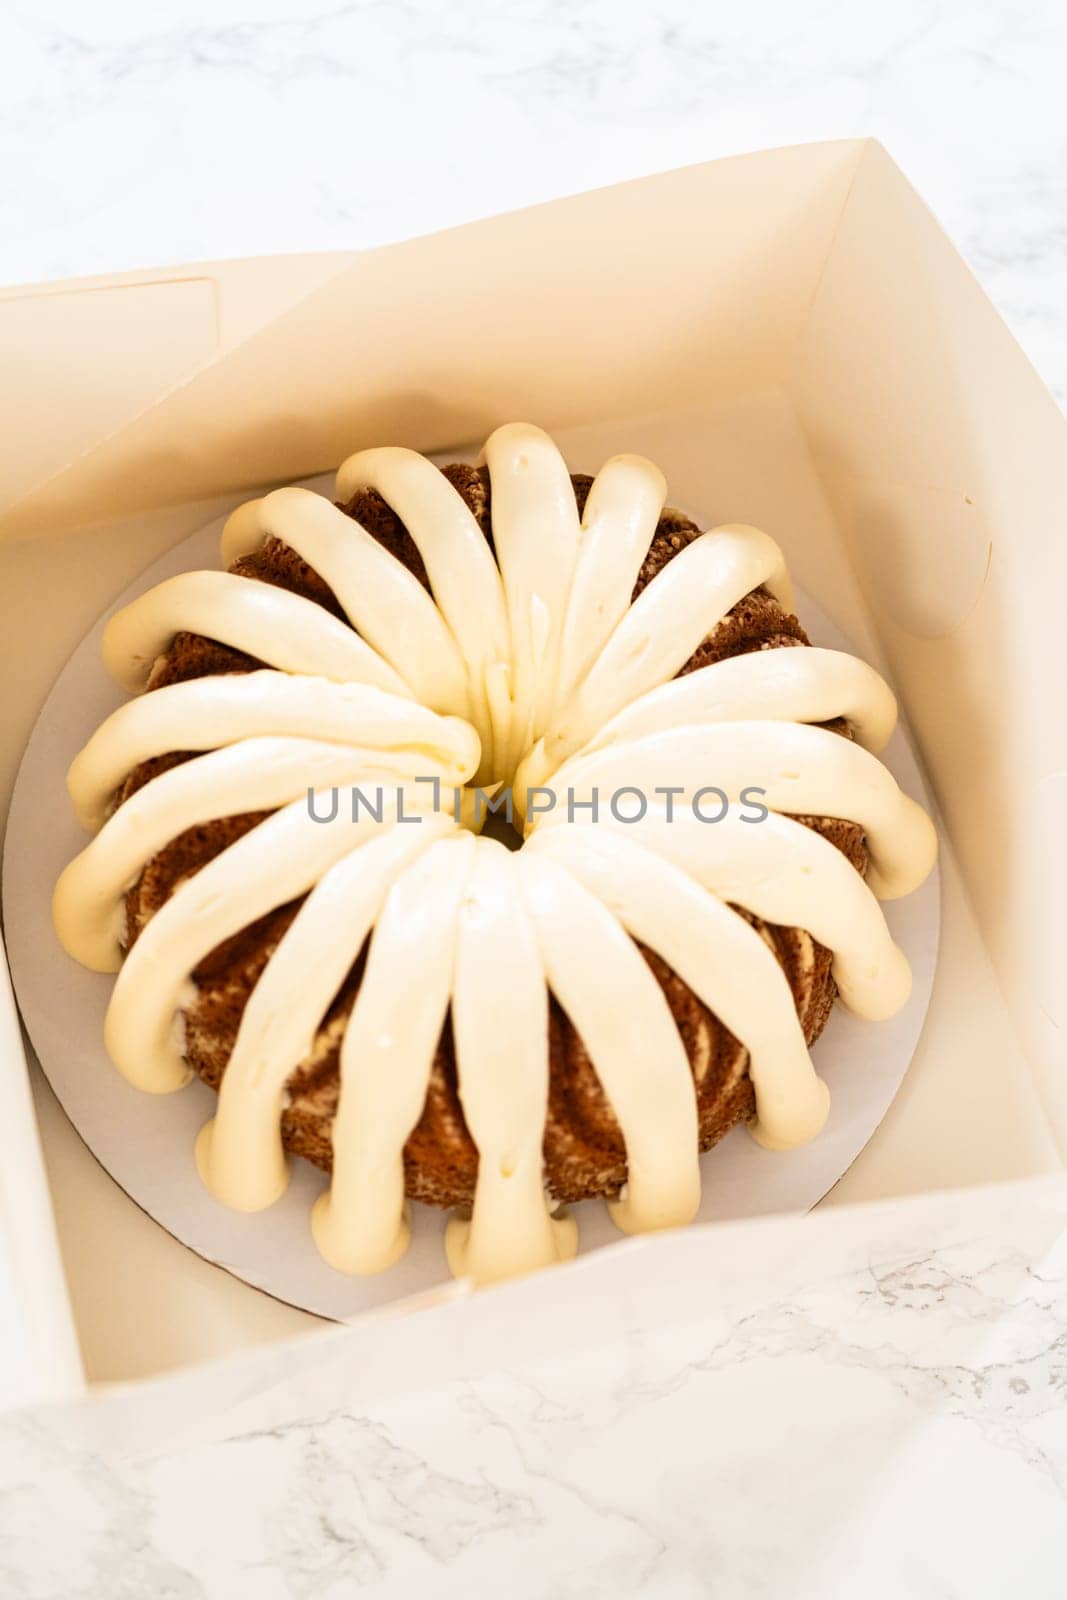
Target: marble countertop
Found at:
867, 1402
192, 129
890, 1421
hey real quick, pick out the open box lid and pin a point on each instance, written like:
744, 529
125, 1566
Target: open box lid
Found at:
814, 268
213, 404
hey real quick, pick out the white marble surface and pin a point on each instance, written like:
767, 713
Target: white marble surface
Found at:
869, 1402
141, 135
860, 1420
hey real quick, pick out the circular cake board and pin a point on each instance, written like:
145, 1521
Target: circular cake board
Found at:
146, 1141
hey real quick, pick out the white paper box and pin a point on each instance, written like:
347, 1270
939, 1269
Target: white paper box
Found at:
793, 339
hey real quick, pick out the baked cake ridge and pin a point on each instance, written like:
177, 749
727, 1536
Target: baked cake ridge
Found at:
503, 625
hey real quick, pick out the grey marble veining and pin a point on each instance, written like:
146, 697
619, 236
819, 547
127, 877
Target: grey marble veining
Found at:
886, 1416
191, 129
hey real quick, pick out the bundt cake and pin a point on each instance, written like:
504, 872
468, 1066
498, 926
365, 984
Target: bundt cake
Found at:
291, 878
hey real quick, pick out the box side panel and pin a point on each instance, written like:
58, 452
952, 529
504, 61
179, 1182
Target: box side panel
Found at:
80, 364
663, 292
946, 460
83, 359
38, 1344
250, 290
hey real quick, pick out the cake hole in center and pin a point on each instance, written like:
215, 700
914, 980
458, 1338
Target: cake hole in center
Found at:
497, 826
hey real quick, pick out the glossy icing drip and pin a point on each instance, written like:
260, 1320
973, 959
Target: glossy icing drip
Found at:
536, 668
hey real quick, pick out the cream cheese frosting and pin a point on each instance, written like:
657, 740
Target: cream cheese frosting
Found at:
361, 1222
386, 605
465, 580
276, 627
206, 713
526, 662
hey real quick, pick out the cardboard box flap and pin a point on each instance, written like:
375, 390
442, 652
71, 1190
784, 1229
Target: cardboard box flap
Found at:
116, 347
518, 295
945, 458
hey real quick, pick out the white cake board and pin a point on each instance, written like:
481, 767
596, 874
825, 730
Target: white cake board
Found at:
146, 1141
